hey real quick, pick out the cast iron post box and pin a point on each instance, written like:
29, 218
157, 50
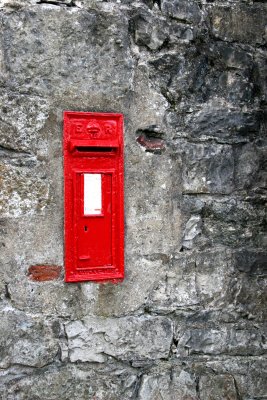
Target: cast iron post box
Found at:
94, 215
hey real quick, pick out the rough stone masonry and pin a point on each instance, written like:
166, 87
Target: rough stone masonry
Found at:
187, 323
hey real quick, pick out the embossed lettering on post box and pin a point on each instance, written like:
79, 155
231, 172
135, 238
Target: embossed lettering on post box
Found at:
93, 188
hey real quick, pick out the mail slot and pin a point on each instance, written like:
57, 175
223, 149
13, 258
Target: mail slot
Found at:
93, 191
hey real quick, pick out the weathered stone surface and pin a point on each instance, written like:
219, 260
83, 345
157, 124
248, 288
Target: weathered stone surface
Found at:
11, 5
152, 102
176, 75
22, 192
252, 261
193, 280
192, 229
236, 90
247, 166
207, 168
26, 340
243, 23
260, 59
251, 295
226, 340
176, 384
52, 298
181, 33
67, 382
22, 118
17, 255
178, 289
214, 121
218, 387
248, 382
153, 220
214, 277
39, 66
185, 10
234, 223
148, 30
232, 56
131, 296
128, 338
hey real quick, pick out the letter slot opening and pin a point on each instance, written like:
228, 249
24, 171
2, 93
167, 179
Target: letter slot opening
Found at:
85, 149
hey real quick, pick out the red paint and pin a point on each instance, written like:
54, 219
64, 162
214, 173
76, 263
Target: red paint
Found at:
94, 244
151, 144
43, 273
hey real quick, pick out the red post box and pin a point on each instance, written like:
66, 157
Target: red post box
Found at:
94, 212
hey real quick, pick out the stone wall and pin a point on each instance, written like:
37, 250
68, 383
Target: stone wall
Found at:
187, 323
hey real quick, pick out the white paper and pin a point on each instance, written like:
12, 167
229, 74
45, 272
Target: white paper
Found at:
92, 194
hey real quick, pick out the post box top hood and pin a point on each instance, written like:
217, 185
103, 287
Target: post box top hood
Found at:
97, 129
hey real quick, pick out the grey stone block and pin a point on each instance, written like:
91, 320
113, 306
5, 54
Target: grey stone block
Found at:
26, 340
128, 338
242, 24
226, 340
148, 30
218, 387
185, 10
207, 169
69, 381
175, 385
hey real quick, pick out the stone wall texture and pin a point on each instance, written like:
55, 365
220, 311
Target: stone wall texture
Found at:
188, 322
